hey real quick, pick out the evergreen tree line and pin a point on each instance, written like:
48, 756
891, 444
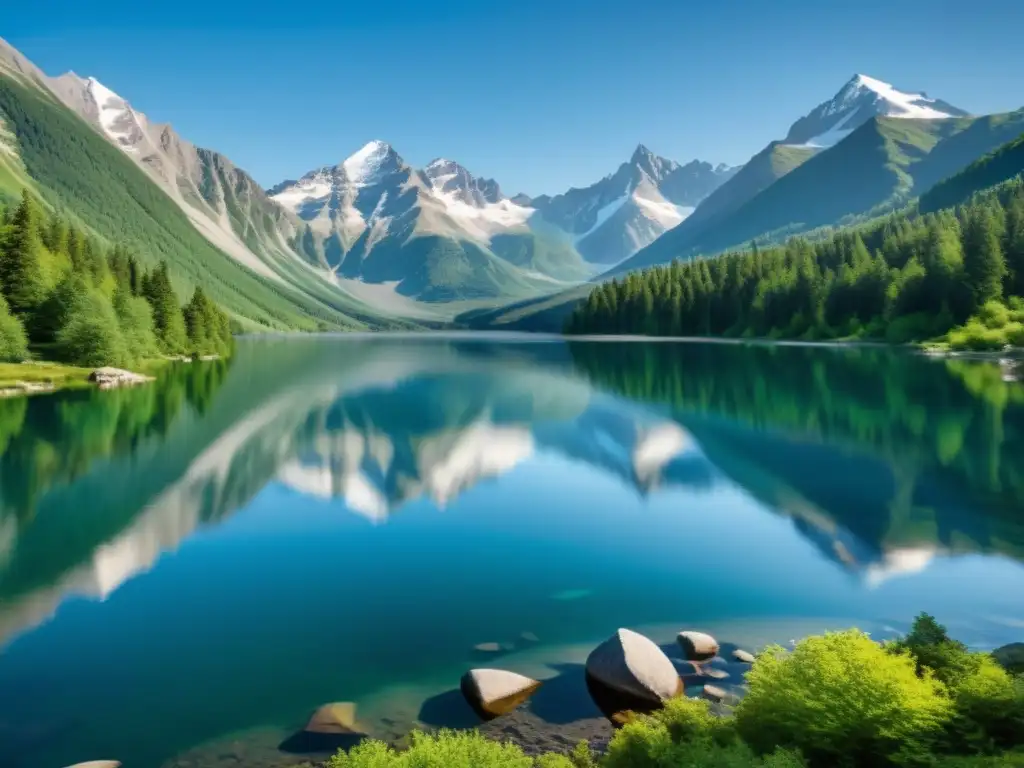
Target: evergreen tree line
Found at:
71, 299
908, 277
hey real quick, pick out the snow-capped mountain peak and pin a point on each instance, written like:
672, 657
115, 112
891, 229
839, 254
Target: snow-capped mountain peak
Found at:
447, 177
122, 124
859, 100
367, 165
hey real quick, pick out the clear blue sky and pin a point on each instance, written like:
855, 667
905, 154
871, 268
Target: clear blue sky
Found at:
541, 95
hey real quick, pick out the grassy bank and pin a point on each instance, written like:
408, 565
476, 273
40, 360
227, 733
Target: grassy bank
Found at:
43, 377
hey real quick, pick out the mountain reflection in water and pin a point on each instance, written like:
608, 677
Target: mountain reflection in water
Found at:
580, 468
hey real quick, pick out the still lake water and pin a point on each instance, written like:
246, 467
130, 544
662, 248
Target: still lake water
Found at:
327, 519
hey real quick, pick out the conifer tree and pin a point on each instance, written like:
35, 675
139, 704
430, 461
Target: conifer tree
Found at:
92, 335
984, 264
167, 317
21, 262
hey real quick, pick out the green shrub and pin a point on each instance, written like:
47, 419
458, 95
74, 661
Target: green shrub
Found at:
446, 749
994, 314
841, 699
1015, 334
92, 334
901, 330
989, 707
976, 337
933, 650
13, 341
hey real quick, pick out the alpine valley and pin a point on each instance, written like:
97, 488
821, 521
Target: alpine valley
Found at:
374, 242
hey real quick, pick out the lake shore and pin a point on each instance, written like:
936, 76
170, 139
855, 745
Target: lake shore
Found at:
42, 377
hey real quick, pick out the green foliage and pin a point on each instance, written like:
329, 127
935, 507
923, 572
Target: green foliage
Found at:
988, 704
21, 260
999, 165
209, 331
907, 278
841, 699
447, 749
167, 318
77, 170
13, 341
135, 319
92, 335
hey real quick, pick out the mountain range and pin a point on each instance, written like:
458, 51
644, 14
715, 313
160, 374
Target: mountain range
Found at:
374, 242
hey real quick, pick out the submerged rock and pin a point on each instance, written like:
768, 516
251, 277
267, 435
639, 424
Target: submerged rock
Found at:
108, 378
743, 656
698, 646
714, 693
339, 717
714, 673
1011, 657
630, 672
97, 764
495, 692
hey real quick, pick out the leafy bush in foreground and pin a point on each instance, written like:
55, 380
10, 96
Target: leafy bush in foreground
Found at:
448, 749
841, 699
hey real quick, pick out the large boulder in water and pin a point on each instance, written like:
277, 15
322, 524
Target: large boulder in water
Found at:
339, 717
495, 692
629, 672
698, 646
1011, 657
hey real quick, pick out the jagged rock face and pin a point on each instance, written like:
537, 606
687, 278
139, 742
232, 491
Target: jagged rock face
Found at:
223, 202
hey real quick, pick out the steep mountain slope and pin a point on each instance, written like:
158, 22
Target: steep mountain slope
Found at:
439, 234
860, 101
612, 219
1004, 163
880, 166
227, 217
79, 172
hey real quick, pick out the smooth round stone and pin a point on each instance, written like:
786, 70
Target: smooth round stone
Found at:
495, 692
714, 673
339, 717
97, 764
487, 648
743, 656
713, 693
698, 646
629, 663
529, 637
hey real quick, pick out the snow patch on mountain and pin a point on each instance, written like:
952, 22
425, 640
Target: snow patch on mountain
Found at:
603, 214
665, 213
363, 168
116, 118
858, 101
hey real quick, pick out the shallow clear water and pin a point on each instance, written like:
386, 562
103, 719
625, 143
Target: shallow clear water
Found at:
326, 519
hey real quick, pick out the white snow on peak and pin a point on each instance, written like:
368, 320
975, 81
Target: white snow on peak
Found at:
115, 116
439, 162
833, 135
897, 103
362, 167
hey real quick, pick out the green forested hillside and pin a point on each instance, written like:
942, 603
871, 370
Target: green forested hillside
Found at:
879, 167
80, 174
995, 167
762, 170
65, 293
907, 277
